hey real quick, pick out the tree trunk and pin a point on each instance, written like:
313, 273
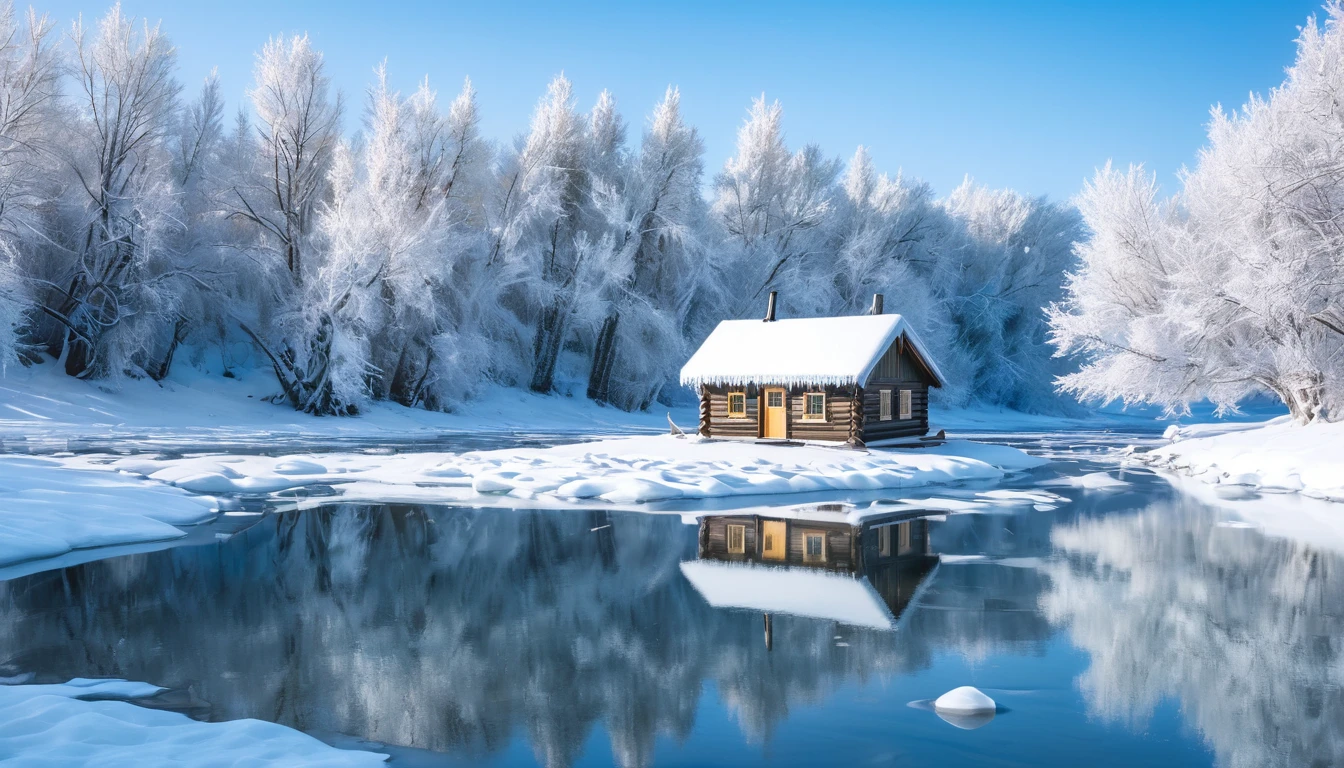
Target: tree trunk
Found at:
160, 371
604, 359
546, 348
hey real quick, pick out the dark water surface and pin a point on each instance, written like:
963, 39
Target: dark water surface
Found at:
1130, 627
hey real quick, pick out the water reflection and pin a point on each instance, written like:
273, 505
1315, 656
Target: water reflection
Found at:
814, 562
1245, 631
466, 632
440, 629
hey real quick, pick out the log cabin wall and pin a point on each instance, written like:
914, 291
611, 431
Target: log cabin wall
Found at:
835, 427
897, 370
720, 425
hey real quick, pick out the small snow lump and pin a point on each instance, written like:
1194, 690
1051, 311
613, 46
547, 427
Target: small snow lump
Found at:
964, 699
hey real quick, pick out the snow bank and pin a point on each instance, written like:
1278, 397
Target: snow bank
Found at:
54, 725
44, 410
47, 509
633, 470
1273, 456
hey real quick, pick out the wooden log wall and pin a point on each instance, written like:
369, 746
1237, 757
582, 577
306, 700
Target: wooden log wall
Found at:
876, 429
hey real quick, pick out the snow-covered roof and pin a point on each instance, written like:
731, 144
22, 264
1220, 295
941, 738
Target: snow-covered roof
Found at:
824, 351
795, 591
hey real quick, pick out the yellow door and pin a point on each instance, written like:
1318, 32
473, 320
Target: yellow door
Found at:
776, 416
774, 540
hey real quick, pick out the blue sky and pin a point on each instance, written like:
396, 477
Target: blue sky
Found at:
1032, 96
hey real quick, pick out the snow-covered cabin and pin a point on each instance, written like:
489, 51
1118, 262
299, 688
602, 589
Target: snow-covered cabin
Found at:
856, 379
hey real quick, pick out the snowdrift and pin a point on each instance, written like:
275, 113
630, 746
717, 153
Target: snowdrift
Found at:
1276, 455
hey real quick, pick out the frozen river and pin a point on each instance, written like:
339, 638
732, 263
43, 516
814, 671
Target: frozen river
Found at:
1132, 625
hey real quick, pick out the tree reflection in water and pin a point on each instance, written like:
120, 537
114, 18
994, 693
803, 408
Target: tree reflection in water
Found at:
444, 630
460, 631
1244, 631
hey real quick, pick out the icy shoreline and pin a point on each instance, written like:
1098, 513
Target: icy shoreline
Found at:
1273, 456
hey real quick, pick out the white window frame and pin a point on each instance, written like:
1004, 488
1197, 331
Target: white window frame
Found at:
884, 541
814, 416
741, 532
907, 404
733, 415
809, 558
884, 405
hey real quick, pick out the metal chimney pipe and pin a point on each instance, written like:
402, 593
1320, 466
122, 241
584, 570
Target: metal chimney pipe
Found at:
877, 304
770, 308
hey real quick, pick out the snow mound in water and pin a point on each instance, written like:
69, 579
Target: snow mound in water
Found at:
966, 699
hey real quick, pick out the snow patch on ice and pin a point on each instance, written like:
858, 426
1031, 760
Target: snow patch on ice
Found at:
48, 509
59, 725
620, 471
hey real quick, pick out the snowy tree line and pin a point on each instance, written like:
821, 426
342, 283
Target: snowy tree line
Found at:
418, 261
1235, 285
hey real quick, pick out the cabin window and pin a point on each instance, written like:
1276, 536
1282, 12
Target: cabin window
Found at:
884, 541
774, 398
814, 547
737, 539
906, 409
904, 538
737, 405
814, 406
884, 407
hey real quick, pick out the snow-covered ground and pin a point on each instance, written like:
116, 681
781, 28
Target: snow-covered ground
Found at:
48, 509
42, 409
1276, 455
621, 471
57, 725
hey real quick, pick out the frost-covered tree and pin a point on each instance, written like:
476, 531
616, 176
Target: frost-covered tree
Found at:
29, 88
999, 267
299, 127
298, 132
112, 274
389, 247
1232, 287
546, 241
656, 215
772, 204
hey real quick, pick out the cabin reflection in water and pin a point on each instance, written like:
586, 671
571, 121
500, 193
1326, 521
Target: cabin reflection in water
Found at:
815, 562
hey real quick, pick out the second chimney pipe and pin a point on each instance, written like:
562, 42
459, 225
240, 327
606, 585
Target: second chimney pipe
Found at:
770, 308
877, 304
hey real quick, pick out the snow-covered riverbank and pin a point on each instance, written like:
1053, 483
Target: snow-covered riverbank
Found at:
626, 471
57, 725
1275, 455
